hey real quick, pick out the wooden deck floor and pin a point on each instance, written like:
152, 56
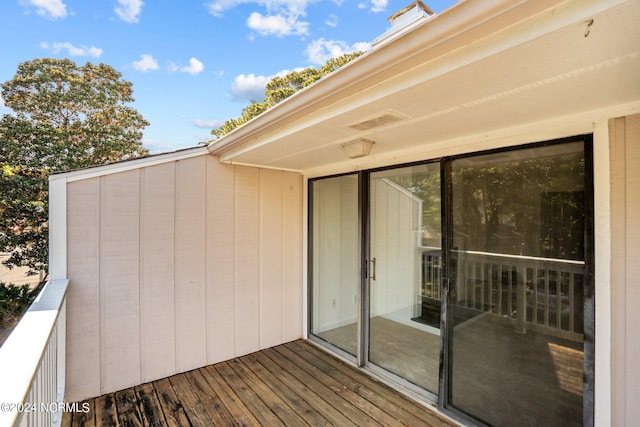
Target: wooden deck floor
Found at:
294, 384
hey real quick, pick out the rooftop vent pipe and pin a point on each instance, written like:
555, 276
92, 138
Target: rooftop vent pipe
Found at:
404, 20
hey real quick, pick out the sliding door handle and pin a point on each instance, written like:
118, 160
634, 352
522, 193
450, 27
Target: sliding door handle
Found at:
372, 273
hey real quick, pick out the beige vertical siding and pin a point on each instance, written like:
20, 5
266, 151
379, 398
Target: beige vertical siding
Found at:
190, 261
178, 265
246, 295
220, 266
83, 320
625, 268
157, 270
120, 280
271, 263
292, 221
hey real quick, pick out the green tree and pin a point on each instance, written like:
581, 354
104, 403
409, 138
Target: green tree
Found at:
280, 88
65, 117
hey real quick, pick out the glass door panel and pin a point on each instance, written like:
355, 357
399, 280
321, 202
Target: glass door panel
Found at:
404, 274
517, 269
335, 261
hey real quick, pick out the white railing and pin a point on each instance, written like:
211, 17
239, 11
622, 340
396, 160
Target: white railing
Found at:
539, 293
32, 362
536, 293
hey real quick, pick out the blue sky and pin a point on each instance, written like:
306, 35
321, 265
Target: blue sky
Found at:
193, 64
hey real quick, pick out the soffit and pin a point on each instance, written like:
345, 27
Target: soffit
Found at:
551, 64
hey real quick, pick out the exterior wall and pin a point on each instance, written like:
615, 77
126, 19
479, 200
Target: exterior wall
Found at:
178, 265
625, 269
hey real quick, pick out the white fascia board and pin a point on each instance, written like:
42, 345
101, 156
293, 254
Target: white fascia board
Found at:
127, 165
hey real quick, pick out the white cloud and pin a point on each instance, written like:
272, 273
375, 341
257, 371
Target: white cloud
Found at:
282, 17
278, 25
72, 50
129, 10
156, 146
207, 124
376, 5
379, 5
247, 87
331, 21
146, 63
320, 51
52, 9
194, 67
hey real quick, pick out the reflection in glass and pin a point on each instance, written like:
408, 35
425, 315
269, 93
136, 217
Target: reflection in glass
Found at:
404, 329
335, 261
518, 273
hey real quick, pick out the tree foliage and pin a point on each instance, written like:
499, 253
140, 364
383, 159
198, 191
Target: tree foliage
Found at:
531, 206
280, 88
15, 299
65, 117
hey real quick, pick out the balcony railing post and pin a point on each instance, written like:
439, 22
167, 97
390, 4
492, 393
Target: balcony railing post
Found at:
521, 299
61, 359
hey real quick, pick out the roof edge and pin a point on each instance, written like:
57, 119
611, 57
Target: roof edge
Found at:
127, 165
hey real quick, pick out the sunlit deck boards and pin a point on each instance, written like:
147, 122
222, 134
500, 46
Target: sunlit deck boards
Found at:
294, 384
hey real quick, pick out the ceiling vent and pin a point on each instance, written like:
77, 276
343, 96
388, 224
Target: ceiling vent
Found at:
383, 119
404, 20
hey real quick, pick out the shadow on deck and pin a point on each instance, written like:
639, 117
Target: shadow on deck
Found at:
294, 384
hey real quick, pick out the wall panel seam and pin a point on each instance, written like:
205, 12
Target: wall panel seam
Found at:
101, 290
176, 362
207, 272
141, 282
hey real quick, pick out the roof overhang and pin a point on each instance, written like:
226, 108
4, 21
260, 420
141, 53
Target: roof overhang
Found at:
475, 68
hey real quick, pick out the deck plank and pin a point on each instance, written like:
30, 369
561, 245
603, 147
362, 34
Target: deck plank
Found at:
172, 410
258, 408
291, 384
67, 419
241, 415
300, 388
128, 412
278, 406
337, 382
331, 395
310, 414
215, 409
191, 403
376, 392
149, 405
88, 418
106, 412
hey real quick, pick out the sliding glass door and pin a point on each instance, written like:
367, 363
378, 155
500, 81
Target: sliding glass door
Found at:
468, 279
518, 269
404, 283
335, 267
